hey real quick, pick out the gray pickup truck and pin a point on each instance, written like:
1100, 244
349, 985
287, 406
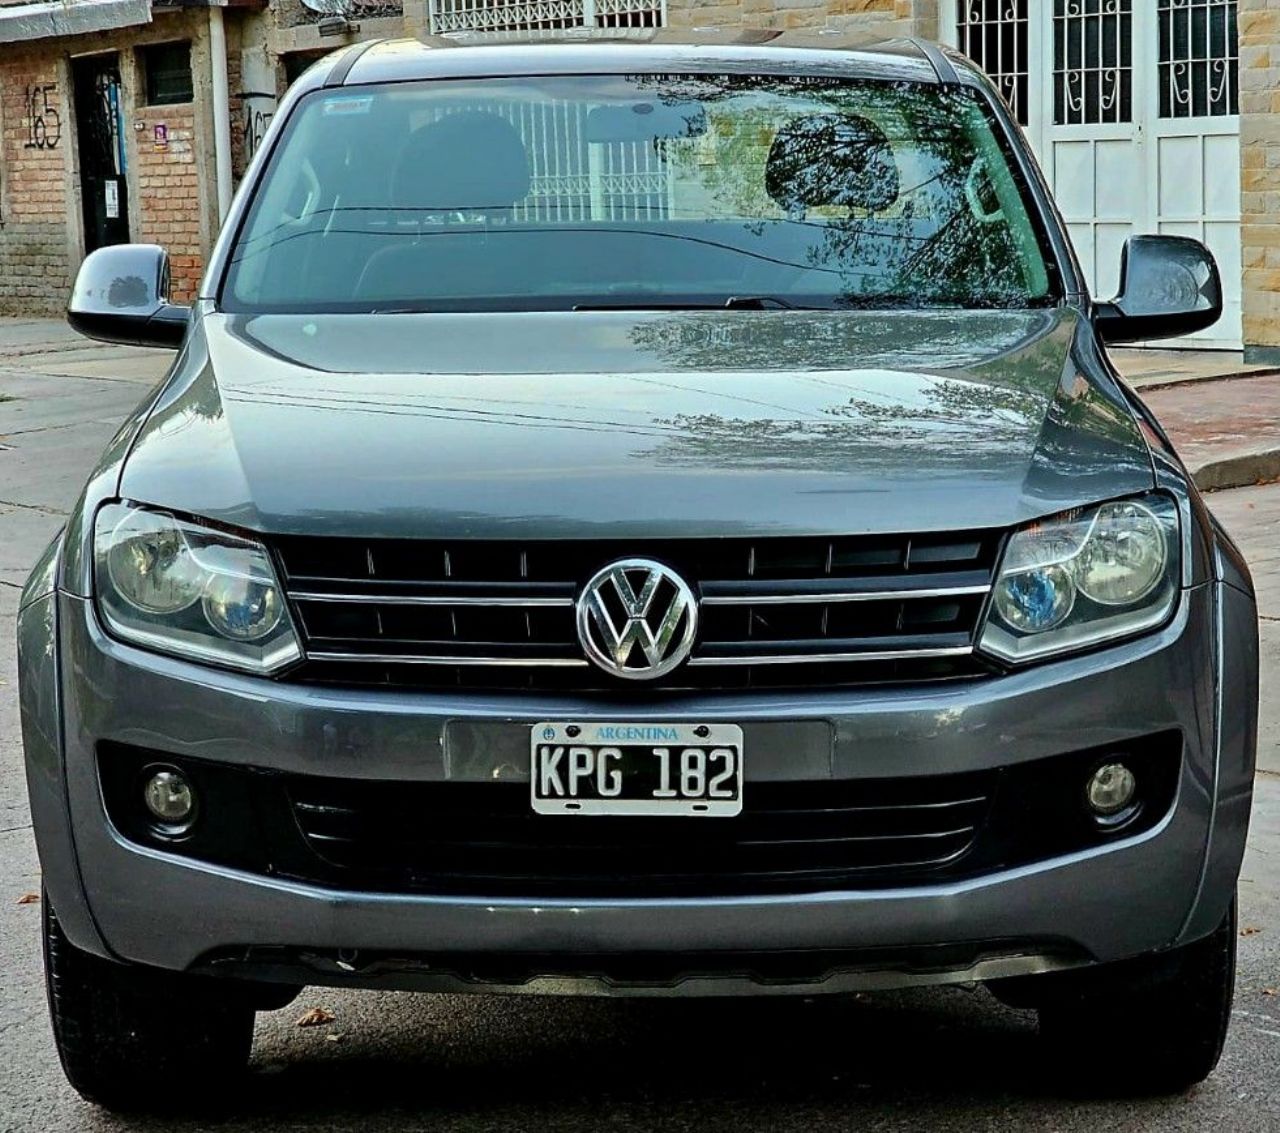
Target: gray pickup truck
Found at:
650, 517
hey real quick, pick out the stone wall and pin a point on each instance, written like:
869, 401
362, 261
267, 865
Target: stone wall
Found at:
1260, 176
877, 17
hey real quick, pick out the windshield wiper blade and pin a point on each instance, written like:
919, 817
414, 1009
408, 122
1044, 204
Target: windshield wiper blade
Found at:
761, 303
648, 305
732, 303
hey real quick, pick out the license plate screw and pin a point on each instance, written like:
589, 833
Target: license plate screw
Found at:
702, 731
573, 731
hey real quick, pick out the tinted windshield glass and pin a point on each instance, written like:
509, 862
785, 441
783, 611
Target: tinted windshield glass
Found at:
598, 191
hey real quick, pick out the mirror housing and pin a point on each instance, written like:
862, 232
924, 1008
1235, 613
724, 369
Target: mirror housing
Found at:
121, 295
1169, 286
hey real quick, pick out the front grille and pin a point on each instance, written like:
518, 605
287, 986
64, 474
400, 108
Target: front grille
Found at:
791, 837
781, 611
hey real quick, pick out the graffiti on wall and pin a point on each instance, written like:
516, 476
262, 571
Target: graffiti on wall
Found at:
259, 109
44, 124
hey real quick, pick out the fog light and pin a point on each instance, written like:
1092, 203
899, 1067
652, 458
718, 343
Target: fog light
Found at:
169, 797
1111, 790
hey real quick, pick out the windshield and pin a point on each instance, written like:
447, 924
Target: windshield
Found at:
588, 192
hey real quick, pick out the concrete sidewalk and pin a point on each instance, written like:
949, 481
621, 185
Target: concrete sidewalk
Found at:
49, 346
1223, 416
1150, 369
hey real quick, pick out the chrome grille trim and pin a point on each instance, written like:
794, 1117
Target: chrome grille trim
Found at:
461, 661
432, 600
834, 658
816, 597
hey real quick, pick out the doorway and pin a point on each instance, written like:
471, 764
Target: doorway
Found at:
104, 191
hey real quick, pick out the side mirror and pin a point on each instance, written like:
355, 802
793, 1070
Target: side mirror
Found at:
122, 295
1169, 285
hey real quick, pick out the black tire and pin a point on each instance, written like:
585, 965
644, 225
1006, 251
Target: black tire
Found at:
143, 1039
1154, 1025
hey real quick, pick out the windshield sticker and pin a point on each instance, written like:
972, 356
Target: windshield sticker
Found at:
348, 105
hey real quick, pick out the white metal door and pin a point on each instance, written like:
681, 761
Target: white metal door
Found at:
1093, 141
1131, 108
1193, 166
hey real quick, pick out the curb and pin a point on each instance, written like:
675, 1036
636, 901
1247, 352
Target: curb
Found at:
1143, 385
1239, 470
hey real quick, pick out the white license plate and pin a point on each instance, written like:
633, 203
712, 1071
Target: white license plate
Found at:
636, 769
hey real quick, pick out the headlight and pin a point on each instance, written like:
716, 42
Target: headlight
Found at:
1083, 577
180, 588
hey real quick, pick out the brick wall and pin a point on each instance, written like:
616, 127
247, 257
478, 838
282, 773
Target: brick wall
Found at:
40, 218
1260, 176
169, 193
35, 141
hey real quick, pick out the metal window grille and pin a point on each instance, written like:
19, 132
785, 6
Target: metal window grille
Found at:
629, 13
1199, 59
571, 179
1092, 61
994, 34
543, 15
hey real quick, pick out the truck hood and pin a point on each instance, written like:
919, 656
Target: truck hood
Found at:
560, 425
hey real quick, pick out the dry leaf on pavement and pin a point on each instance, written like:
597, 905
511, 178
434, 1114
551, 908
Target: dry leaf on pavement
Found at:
316, 1017
29, 899
1250, 930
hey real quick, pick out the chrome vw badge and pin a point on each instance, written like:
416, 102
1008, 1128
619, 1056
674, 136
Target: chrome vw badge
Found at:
637, 619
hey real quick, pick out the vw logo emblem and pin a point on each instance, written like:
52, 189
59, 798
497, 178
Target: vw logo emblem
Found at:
637, 619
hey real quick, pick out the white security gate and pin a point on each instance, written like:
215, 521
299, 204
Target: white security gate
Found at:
571, 179
1132, 108
543, 15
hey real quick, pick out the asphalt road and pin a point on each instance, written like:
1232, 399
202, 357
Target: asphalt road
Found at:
926, 1060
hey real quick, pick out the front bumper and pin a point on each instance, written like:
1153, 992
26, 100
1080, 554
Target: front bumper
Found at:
1136, 894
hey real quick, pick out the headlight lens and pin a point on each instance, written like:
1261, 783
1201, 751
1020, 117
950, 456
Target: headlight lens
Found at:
149, 563
1084, 577
191, 591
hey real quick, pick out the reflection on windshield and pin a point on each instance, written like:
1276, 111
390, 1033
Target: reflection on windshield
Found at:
563, 193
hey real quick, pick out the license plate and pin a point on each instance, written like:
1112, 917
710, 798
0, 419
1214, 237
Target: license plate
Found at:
636, 769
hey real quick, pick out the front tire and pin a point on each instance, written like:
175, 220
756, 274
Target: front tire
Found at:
1154, 1025
142, 1039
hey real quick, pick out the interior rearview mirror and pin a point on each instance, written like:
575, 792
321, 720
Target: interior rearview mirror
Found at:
1169, 286
121, 294
644, 122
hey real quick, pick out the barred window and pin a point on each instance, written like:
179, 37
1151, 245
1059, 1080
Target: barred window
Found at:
994, 34
166, 67
1092, 61
1199, 68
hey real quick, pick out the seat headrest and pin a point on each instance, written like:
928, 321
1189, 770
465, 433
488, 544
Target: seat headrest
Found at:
471, 160
832, 159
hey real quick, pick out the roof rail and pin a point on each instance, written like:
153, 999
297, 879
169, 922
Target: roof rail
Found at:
343, 64
937, 60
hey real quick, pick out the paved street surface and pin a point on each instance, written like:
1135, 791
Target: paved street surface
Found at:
940, 1060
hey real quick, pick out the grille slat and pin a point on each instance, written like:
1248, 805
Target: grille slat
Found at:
829, 611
